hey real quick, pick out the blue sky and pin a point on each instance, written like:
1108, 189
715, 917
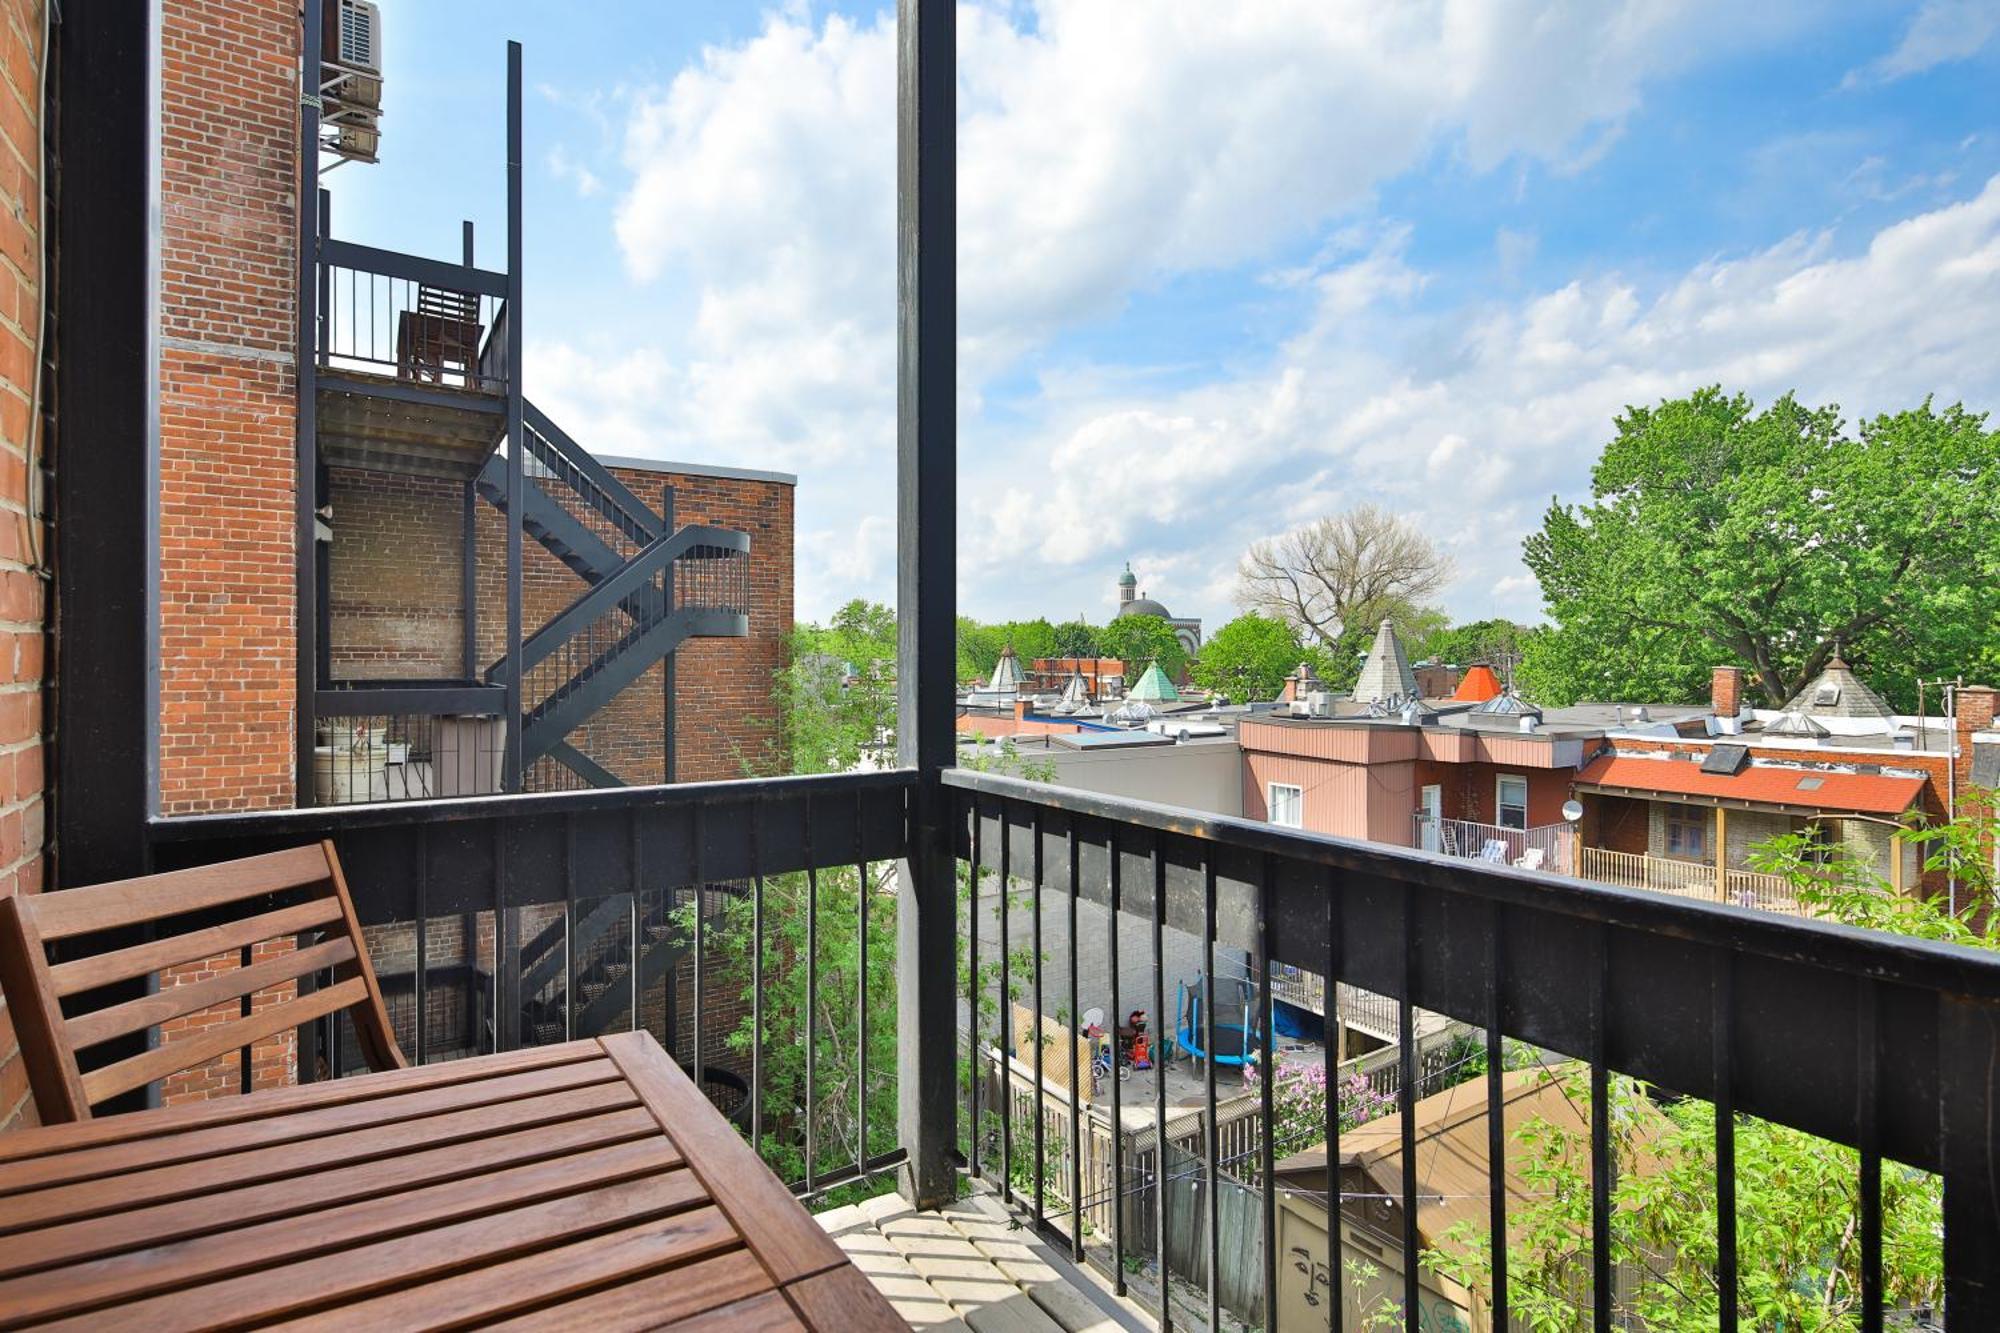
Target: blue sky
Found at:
1222, 268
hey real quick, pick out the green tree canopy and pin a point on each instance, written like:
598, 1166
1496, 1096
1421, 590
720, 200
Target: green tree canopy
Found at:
830, 720
1475, 641
1076, 638
1137, 640
1720, 534
1250, 657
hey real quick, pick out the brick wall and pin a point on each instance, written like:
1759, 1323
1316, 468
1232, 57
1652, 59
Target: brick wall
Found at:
396, 605
228, 415
23, 594
227, 403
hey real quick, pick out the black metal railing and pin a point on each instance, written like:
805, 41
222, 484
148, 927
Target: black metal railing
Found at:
420, 320
406, 740
514, 917
510, 921
1884, 1044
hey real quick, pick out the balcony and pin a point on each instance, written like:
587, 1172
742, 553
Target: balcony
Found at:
1880, 1043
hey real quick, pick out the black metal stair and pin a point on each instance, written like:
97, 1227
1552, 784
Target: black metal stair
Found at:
631, 617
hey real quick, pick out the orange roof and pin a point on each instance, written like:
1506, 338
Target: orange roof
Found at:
1801, 789
1478, 685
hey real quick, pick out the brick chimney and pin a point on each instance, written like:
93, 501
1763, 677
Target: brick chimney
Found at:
1725, 690
1975, 706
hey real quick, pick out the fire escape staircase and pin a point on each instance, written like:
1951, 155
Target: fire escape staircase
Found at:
604, 973
650, 590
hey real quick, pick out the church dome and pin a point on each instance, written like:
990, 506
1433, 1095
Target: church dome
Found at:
1128, 579
1144, 606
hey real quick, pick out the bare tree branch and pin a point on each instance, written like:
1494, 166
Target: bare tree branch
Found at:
1350, 568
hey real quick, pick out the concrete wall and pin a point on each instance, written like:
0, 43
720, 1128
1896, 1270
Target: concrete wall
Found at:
1198, 775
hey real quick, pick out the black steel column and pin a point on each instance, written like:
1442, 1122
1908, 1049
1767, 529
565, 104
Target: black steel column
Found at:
106, 756
670, 761
306, 372
516, 441
926, 560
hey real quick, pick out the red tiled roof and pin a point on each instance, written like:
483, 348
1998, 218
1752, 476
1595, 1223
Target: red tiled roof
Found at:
1803, 789
1479, 685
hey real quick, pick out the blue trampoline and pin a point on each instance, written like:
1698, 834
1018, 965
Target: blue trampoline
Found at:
1235, 1029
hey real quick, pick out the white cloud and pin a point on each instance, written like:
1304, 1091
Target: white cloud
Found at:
1942, 31
1099, 156
1473, 443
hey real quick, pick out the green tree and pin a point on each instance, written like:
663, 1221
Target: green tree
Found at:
1720, 534
978, 648
1076, 638
837, 690
1475, 641
1248, 658
1798, 1247
1137, 640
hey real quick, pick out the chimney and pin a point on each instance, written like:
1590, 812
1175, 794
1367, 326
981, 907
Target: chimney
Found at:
1725, 691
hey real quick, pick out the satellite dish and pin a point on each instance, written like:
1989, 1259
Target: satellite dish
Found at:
1572, 810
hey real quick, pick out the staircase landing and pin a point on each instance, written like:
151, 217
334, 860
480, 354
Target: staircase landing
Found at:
970, 1266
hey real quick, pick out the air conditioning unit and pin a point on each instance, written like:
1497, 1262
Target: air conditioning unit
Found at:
358, 143
349, 34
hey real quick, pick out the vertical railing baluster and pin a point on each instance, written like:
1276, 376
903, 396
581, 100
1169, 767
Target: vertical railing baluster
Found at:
635, 921
1330, 1035
1007, 1034
975, 1131
812, 1001
1406, 1105
421, 981
1210, 1131
861, 992
1117, 1092
1268, 1063
1159, 1071
1600, 1145
1035, 938
697, 827
1075, 1076
1722, 1053
569, 928
1867, 1114
499, 912
757, 976
1496, 1119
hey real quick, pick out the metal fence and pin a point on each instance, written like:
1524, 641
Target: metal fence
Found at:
410, 318
1550, 847
1881, 1043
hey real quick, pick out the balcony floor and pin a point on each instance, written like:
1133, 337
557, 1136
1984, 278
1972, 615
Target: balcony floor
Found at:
970, 1266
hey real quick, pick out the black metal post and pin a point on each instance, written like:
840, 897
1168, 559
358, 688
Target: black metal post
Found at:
927, 552
517, 497
306, 368
670, 761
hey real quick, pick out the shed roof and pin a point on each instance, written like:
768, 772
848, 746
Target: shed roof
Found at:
1802, 789
1452, 1183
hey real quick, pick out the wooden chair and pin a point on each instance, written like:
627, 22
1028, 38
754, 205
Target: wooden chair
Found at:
440, 335
231, 908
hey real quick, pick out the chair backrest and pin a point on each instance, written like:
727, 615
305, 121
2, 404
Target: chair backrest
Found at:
445, 303
207, 912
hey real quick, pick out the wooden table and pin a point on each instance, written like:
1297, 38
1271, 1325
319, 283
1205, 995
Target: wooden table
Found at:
583, 1184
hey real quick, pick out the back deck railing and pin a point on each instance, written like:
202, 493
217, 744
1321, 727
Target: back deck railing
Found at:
544, 905
423, 321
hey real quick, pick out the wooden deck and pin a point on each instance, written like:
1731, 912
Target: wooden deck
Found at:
587, 1183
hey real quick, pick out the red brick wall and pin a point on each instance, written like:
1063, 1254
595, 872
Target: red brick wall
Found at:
227, 404
23, 594
396, 604
228, 414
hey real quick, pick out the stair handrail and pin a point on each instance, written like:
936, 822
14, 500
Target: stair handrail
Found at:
607, 594
643, 522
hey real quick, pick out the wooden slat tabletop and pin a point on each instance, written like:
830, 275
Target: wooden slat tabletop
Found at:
583, 1184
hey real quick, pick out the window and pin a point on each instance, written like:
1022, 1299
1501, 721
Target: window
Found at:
1287, 805
1512, 800
1687, 833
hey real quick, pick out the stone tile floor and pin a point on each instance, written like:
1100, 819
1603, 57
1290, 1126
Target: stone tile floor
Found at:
970, 1266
